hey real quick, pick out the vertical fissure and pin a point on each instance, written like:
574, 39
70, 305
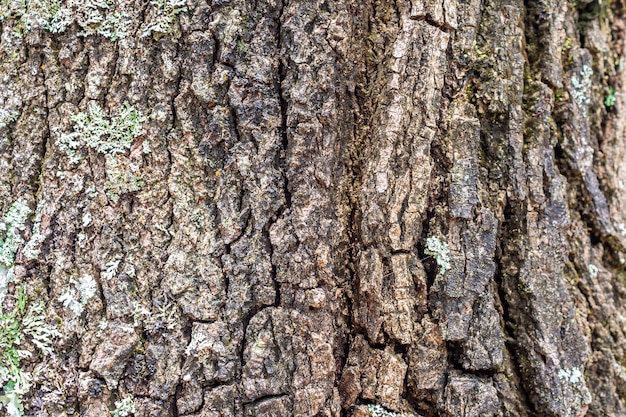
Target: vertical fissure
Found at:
509, 323
284, 135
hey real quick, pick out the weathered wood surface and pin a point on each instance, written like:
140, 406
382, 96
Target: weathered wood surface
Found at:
262, 249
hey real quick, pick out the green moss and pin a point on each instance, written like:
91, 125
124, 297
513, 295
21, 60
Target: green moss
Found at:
470, 92
566, 52
524, 289
567, 45
241, 45
611, 98
559, 94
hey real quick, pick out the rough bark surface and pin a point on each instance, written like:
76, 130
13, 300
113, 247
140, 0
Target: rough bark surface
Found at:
263, 248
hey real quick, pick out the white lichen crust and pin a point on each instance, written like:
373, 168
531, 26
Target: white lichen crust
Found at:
438, 250
124, 407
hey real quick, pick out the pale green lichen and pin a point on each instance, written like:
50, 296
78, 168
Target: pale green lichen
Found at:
145, 147
71, 145
573, 376
140, 313
124, 408
19, 324
32, 249
76, 295
103, 324
111, 269
7, 117
94, 17
16, 327
60, 20
87, 218
164, 17
103, 134
166, 317
80, 237
377, 410
98, 19
581, 86
593, 270
12, 225
27, 15
41, 333
438, 250
111, 136
120, 180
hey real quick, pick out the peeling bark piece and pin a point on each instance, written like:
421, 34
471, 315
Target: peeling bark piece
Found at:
369, 297
111, 356
271, 407
379, 374
400, 297
191, 398
95, 409
148, 407
577, 141
116, 291
93, 394
463, 186
223, 401
547, 24
386, 300
213, 352
484, 346
350, 386
558, 349
396, 178
469, 396
248, 269
285, 354
427, 363
603, 372
472, 248
442, 13
197, 285
463, 136
360, 411
268, 359
164, 359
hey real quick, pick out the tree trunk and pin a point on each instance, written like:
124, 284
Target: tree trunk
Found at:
312, 208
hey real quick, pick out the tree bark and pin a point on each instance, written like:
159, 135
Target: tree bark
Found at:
327, 208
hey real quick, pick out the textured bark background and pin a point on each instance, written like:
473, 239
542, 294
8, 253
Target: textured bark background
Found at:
266, 247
